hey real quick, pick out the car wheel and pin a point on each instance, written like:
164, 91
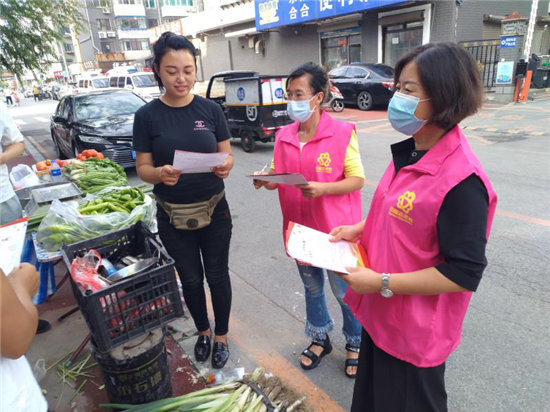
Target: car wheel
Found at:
364, 101
247, 142
59, 152
337, 105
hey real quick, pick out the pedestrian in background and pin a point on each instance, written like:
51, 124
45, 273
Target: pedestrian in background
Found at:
425, 236
35, 93
8, 93
326, 152
19, 391
12, 146
16, 100
194, 221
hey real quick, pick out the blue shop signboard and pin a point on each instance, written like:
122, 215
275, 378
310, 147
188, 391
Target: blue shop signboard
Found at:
277, 13
508, 42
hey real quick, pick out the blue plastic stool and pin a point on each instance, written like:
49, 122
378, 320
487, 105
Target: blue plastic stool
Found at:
47, 273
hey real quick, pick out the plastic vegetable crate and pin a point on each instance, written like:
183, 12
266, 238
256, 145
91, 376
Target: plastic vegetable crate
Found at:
136, 305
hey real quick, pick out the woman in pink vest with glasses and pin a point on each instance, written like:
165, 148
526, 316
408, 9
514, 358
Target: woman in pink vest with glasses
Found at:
326, 152
425, 236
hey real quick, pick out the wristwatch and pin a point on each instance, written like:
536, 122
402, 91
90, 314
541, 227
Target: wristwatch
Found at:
385, 291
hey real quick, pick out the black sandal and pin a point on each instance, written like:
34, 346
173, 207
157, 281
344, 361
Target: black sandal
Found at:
316, 359
351, 362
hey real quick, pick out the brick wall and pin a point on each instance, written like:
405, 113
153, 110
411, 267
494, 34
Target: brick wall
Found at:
369, 39
284, 50
443, 21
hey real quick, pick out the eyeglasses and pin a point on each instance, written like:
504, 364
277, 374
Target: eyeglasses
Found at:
298, 96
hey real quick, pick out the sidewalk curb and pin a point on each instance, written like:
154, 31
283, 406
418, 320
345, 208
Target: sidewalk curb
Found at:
35, 149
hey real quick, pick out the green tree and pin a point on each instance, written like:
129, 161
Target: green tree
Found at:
29, 30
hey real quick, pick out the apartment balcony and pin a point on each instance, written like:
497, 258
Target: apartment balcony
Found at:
121, 10
125, 34
136, 54
176, 11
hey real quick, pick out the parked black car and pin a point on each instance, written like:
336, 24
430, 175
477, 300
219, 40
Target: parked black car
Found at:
364, 85
101, 120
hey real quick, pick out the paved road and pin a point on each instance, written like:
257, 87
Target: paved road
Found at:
503, 361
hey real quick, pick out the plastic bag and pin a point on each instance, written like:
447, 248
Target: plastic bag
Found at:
84, 272
64, 225
39, 369
22, 176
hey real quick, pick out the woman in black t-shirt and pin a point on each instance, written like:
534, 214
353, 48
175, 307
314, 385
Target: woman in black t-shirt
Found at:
179, 120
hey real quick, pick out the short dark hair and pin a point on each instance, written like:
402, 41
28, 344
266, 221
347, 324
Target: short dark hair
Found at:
450, 77
318, 77
167, 41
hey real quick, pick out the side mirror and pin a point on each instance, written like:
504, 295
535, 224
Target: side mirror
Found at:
129, 86
59, 119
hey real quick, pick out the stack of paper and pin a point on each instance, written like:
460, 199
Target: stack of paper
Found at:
281, 178
191, 162
12, 240
313, 247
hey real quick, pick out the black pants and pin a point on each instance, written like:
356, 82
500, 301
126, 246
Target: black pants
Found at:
212, 243
9, 101
387, 384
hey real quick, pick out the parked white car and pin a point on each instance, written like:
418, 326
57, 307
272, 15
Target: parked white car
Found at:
142, 83
88, 85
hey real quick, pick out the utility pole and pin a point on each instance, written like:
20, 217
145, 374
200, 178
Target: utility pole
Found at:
531, 28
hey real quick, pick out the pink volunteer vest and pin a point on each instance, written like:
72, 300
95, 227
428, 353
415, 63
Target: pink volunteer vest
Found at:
400, 236
322, 160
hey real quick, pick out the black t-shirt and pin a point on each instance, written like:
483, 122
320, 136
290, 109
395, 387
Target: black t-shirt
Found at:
198, 127
461, 223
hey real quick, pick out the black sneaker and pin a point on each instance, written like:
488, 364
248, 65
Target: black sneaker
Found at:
43, 326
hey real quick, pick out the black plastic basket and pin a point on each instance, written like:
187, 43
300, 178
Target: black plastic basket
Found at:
134, 306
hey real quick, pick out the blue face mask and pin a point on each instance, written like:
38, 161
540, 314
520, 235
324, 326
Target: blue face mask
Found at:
299, 111
401, 113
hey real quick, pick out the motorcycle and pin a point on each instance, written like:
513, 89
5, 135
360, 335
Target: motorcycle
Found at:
335, 99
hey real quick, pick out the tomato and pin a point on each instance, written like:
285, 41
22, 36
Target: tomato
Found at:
48, 162
92, 153
100, 156
41, 166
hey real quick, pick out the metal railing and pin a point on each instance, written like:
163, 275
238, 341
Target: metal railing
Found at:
487, 54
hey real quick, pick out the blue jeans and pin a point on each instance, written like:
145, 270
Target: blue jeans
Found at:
319, 322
